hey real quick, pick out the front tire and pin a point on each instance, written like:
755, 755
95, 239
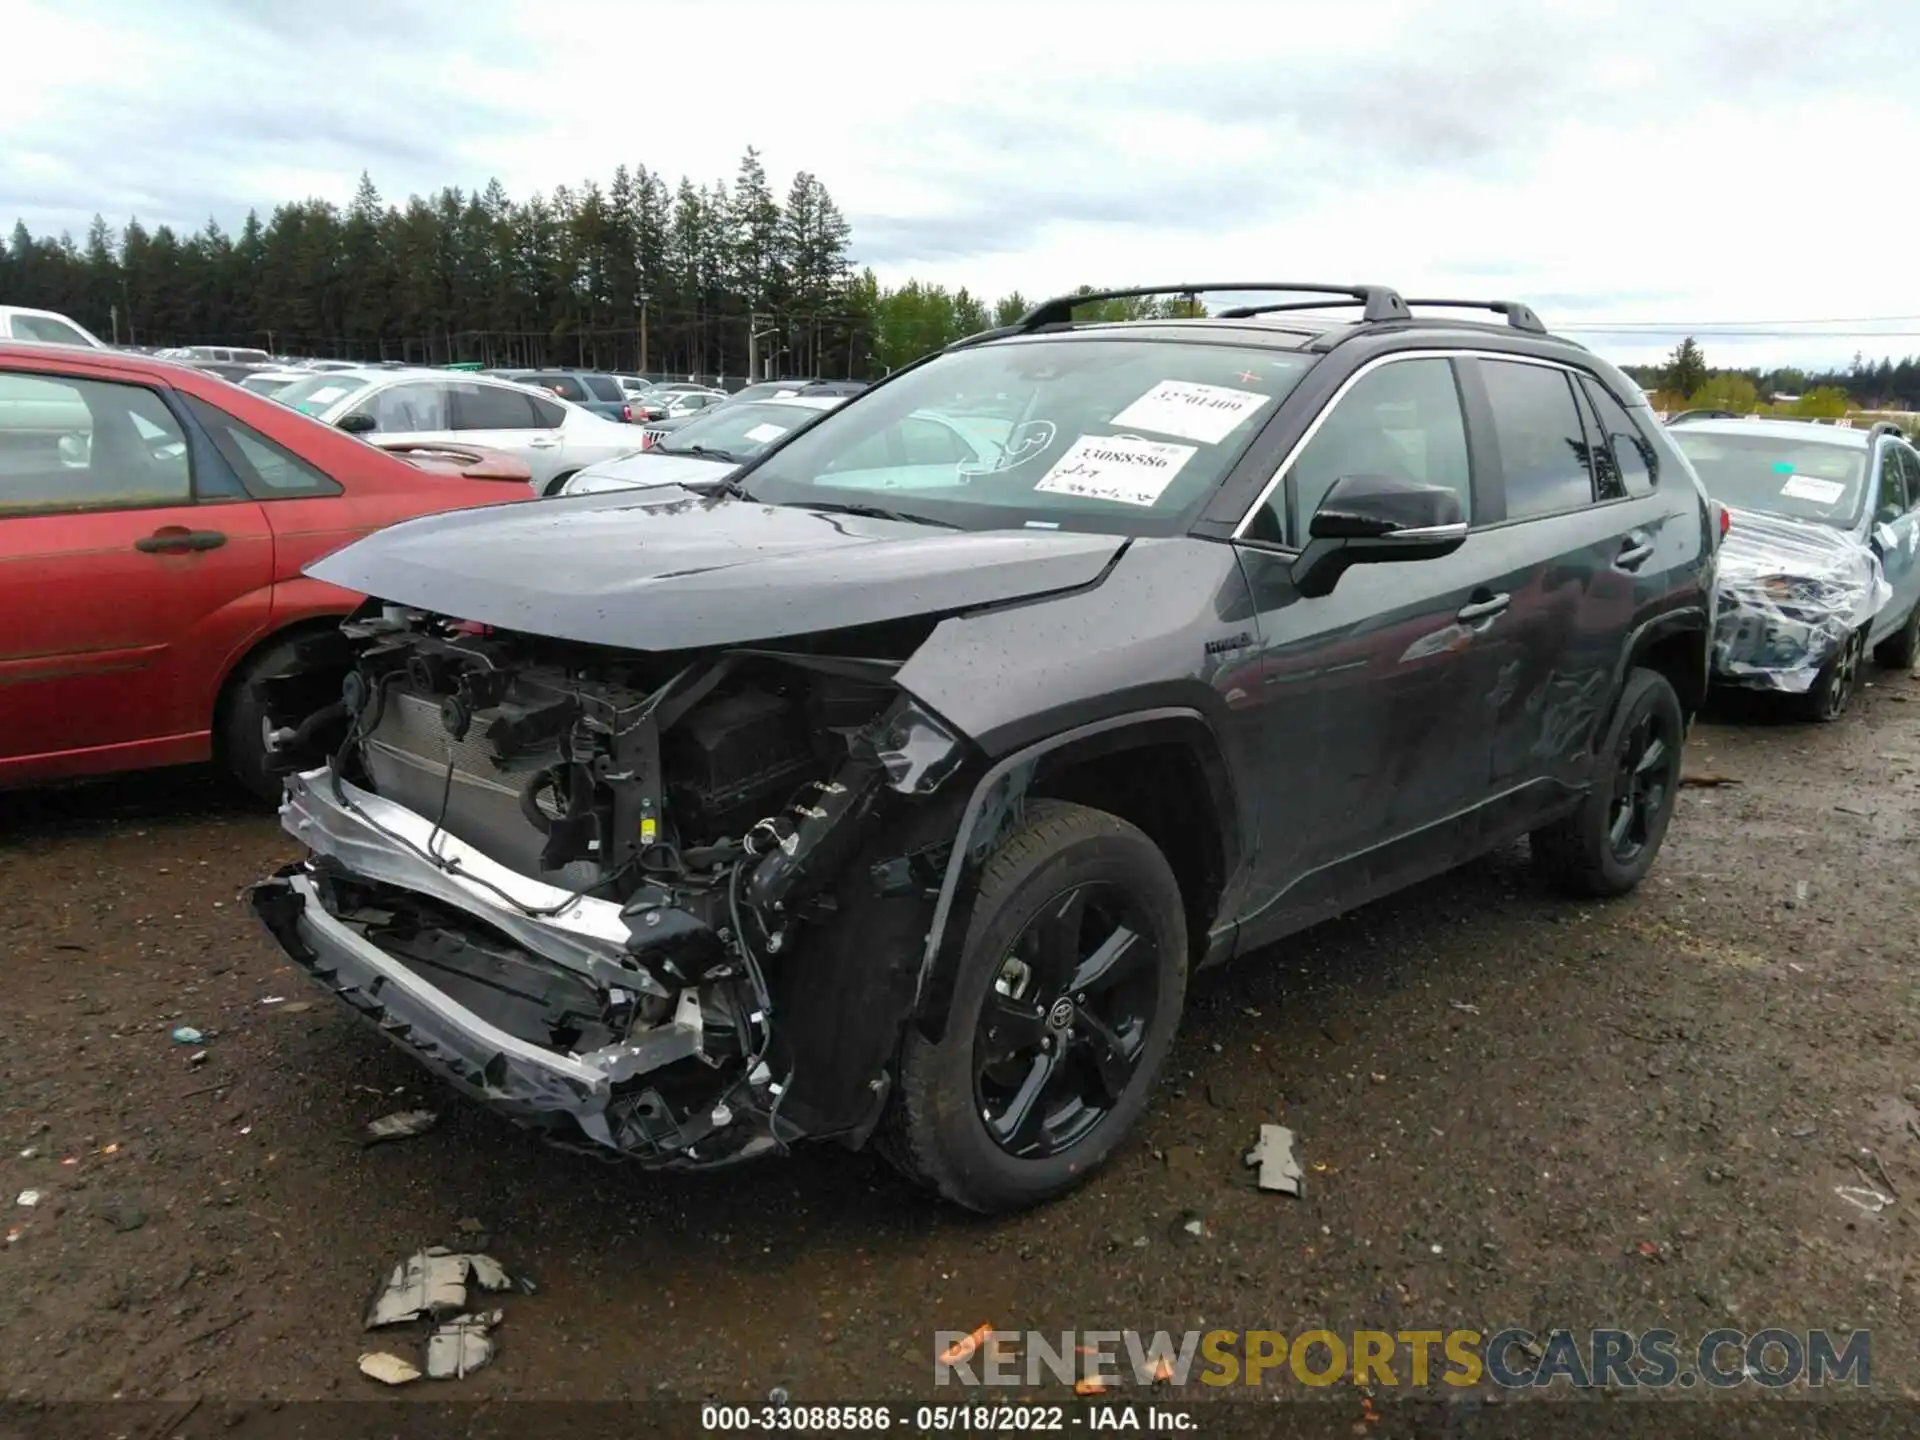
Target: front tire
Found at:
1070, 988
1607, 846
243, 722
1833, 689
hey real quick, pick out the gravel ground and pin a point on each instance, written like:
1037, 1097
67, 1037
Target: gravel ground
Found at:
1513, 1110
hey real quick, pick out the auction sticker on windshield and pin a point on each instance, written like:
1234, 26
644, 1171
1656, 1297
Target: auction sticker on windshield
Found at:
1207, 413
1121, 468
766, 434
1821, 492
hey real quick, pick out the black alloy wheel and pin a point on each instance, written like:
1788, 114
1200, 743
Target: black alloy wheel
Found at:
1833, 692
1065, 1021
1647, 769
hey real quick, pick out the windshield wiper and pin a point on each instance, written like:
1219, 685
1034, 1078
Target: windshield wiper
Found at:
875, 512
703, 451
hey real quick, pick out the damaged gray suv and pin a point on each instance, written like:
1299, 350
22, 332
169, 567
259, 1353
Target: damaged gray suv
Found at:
890, 790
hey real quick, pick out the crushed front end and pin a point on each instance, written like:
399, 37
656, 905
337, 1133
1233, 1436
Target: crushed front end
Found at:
1789, 595
669, 906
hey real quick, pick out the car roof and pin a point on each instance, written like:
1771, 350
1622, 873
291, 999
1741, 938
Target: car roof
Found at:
85, 357
1795, 430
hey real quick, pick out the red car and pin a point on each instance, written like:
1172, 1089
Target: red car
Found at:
154, 521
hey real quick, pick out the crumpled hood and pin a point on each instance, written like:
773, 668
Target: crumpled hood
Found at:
666, 569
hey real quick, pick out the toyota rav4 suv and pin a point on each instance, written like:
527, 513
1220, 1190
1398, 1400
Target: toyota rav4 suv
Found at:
891, 791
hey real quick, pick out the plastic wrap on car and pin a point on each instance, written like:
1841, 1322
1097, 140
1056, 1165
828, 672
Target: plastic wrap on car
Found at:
1789, 595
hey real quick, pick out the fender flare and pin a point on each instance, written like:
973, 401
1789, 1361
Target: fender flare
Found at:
1690, 620
996, 797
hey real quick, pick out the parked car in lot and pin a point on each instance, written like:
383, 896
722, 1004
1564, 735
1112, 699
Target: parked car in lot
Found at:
888, 793
270, 382
217, 354
233, 371
787, 389
1822, 560
153, 525
45, 327
676, 404
706, 448
555, 438
601, 394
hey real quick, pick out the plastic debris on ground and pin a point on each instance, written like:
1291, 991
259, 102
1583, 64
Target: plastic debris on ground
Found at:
1790, 594
1463, 1007
430, 1285
187, 1035
1871, 1201
1279, 1171
401, 1125
388, 1369
963, 1348
28, 1198
462, 1345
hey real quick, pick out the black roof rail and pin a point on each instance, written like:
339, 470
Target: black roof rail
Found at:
1520, 317
1381, 302
1885, 427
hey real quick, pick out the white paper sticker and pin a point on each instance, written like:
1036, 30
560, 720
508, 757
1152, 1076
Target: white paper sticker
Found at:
1206, 413
1120, 468
766, 434
326, 394
1821, 492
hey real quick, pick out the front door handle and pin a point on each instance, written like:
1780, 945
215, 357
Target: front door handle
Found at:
176, 539
1635, 551
1483, 609
544, 442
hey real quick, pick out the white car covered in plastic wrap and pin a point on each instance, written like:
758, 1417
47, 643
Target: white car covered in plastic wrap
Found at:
1822, 560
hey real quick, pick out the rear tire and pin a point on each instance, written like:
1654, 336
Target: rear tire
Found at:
1900, 649
1071, 886
1607, 846
1839, 678
241, 727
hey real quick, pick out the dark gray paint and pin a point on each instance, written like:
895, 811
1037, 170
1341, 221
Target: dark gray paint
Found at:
647, 571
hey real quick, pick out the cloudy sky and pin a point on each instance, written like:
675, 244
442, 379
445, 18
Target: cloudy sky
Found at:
1631, 170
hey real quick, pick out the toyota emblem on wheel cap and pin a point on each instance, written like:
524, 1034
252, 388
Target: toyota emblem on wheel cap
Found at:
1061, 1015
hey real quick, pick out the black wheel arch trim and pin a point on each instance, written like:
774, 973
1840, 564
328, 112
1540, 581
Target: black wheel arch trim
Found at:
1687, 620
996, 801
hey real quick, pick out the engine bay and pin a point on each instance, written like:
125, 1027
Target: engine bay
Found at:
616, 857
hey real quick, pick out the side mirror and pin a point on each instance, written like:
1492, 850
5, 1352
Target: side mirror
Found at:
1365, 519
1888, 514
356, 422
1884, 540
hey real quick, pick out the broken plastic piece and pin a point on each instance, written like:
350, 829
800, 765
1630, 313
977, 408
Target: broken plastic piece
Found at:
488, 1273
187, 1035
401, 1125
1871, 1201
461, 1346
388, 1369
29, 1198
432, 1283
1279, 1171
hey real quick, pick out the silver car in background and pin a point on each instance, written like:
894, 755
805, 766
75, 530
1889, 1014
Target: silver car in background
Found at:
555, 438
708, 448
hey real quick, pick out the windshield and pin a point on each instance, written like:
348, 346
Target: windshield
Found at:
1803, 479
1081, 433
736, 430
321, 393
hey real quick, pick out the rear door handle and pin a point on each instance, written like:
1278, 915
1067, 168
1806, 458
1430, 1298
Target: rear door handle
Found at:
544, 442
174, 541
1484, 609
1635, 551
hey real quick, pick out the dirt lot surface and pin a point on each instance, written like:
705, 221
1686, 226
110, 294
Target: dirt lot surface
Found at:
1512, 1109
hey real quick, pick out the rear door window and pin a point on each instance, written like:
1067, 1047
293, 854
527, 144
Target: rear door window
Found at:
267, 469
1624, 455
602, 388
1543, 446
492, 407
1892, 500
